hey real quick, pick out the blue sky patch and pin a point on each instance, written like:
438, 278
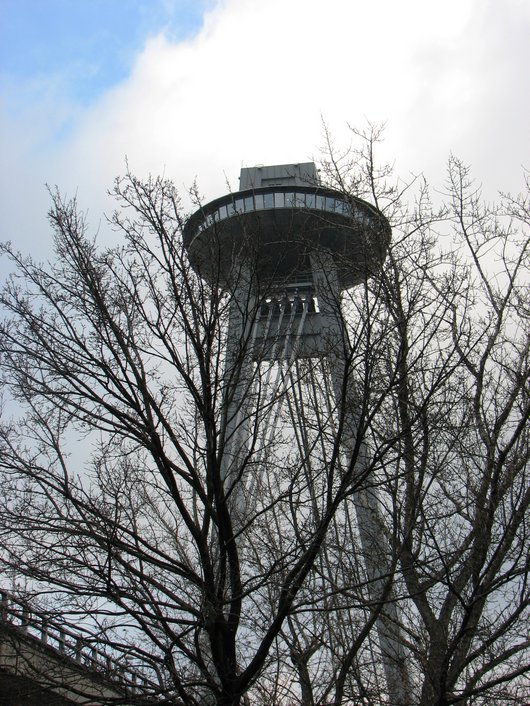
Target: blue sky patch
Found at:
86, 46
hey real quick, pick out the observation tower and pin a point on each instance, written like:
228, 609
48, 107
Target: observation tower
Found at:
285, 248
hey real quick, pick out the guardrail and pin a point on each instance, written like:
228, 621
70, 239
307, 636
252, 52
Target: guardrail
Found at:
114, 666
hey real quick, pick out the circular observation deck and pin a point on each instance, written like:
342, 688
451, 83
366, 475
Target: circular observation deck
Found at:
276, 229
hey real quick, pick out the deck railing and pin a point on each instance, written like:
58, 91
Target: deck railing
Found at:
114, 664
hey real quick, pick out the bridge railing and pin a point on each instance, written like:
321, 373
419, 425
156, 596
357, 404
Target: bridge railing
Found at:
115, 665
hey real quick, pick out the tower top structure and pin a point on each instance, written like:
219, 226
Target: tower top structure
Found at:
280, 218
302, 174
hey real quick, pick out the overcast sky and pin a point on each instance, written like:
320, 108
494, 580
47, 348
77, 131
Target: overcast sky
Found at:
199, 88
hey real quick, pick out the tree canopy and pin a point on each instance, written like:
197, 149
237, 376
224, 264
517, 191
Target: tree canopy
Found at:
256, 586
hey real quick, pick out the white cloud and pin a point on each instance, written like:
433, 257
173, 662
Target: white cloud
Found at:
252, 85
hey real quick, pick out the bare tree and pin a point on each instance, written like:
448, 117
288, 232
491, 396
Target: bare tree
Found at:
451, 434
256, 583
